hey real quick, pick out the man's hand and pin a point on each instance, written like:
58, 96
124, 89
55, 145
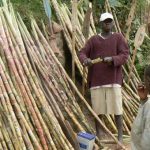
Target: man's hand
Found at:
108, 60
87, 62
142, 92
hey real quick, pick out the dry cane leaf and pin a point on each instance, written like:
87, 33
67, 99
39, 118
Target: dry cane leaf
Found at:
139, 37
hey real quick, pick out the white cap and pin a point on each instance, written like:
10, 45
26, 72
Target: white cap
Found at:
105, 16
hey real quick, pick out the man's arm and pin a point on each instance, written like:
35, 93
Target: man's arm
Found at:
123, 52
84, 53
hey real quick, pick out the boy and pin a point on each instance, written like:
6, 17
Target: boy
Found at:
140, 133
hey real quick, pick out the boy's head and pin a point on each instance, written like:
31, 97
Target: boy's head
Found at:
147, 77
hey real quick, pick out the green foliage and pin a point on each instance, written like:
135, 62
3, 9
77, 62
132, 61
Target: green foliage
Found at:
28, 8
115, 3
101, 2
143, 56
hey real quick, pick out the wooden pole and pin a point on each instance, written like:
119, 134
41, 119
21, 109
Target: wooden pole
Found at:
74, 23
85, 30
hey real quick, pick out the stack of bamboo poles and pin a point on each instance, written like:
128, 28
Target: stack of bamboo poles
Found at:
130, 97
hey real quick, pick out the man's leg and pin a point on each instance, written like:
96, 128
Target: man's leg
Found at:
115, 99
119, 125
99, 106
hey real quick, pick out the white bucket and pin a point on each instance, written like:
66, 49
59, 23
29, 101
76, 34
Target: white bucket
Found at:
86, 140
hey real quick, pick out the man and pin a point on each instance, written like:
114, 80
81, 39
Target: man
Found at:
105, 79
140, 133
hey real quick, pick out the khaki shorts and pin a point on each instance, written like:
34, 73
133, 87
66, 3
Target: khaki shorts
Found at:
107, 100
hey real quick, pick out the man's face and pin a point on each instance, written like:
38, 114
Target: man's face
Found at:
107, 24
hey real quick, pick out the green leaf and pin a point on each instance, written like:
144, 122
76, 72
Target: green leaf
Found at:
101, 2
139, 49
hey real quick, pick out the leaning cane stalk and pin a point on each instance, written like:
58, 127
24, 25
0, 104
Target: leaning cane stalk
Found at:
3, 143
74, 22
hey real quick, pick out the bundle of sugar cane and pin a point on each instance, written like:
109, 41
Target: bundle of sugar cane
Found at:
33, 87
130, 97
